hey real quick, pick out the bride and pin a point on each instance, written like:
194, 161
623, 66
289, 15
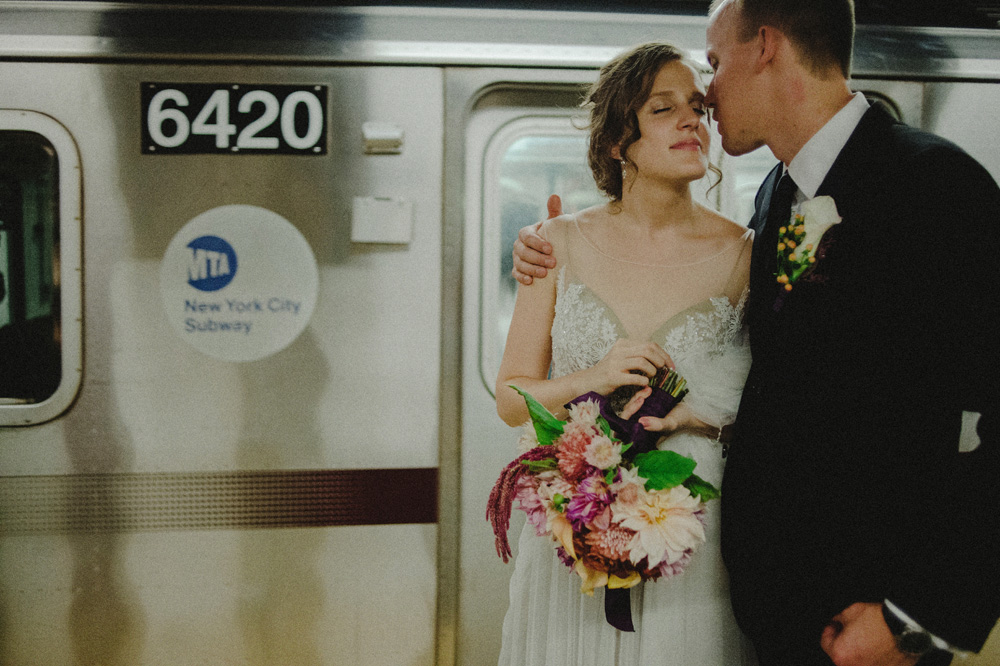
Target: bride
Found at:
650, 279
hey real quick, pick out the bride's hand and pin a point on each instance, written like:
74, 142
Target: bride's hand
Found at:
628, 362
677, 419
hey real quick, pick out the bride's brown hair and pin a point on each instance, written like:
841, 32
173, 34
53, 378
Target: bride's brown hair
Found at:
614, 99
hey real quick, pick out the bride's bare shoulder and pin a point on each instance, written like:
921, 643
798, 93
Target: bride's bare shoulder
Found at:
721, 225
556, 229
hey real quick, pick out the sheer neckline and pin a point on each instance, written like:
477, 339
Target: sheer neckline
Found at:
742, 239
667, 323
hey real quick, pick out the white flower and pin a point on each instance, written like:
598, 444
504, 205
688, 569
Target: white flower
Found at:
665, 524
602, 453
585, 412
528, 439
819, 214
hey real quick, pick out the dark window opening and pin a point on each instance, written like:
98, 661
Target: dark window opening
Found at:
30, 345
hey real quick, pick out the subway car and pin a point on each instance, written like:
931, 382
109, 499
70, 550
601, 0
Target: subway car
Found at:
255, 267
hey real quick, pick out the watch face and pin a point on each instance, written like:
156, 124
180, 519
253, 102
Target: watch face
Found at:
914, 642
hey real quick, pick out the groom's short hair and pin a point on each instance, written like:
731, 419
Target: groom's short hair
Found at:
821, 30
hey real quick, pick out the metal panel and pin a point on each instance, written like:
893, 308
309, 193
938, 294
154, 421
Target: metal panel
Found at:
358, 390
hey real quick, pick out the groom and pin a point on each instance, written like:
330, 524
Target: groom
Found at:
854, 531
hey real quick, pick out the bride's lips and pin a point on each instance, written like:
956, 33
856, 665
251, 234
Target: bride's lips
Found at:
689, 144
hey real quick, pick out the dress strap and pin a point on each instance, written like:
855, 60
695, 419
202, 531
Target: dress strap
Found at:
558, 232
740, 272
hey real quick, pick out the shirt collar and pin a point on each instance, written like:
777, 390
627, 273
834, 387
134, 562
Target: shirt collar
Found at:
809, 167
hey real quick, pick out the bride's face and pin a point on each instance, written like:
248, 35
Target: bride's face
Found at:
673, 132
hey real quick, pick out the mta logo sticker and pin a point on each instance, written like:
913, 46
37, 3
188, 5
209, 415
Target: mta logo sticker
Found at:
212, 263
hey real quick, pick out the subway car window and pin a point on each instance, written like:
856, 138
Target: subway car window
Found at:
30, 363
33, 353
526, 161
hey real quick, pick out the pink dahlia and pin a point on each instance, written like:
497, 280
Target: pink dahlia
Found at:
572, 449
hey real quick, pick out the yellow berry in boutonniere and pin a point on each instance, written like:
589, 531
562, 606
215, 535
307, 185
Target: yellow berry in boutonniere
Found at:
798, 240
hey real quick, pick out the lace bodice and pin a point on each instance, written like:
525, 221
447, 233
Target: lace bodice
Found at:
585, 328
707, 342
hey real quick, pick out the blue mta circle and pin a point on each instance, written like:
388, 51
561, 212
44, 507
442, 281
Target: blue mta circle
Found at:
211, 263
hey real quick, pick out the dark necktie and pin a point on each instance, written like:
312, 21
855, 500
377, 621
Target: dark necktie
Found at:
779, 212
764, 263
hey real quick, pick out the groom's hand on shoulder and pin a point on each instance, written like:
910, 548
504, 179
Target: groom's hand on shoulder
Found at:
532, 253
859, 636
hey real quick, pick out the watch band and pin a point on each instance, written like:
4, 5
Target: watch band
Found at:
909, 640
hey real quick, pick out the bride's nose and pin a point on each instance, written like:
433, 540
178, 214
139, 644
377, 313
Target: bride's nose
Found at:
690, 119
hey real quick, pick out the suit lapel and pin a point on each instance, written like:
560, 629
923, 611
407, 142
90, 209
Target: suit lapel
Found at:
760, 282
849, 184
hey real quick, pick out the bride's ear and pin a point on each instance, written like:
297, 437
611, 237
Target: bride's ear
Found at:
616, 151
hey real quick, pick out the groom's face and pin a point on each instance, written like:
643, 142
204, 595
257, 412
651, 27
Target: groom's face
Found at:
731, 94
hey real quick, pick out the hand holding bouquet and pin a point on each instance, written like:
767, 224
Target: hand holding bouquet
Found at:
617, 510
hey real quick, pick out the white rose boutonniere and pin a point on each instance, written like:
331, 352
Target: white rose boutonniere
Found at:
798, 240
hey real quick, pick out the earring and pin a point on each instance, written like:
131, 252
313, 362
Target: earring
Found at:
624, 172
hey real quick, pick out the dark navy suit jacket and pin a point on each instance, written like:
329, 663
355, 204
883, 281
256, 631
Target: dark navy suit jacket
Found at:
844, 482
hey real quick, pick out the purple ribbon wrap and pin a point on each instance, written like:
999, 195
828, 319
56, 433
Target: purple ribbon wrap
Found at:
658, 404
617, 602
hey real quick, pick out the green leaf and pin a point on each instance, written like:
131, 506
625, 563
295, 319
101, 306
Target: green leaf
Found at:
547, 427
664, 469
700, 487
537, 466
605, 427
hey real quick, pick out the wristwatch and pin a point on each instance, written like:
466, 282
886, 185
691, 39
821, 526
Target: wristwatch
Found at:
911, 641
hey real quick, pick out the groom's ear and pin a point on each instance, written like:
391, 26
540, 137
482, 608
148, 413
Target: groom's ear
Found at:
769, 39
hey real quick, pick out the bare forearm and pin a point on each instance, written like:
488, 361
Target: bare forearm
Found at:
552, 393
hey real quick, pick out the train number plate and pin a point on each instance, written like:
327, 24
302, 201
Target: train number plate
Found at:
233, 118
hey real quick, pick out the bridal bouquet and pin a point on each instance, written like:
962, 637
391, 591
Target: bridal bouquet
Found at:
617, 510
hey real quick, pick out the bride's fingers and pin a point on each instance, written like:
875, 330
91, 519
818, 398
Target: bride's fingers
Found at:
642, 365
633, 405
634, 379
653, 424
655, 353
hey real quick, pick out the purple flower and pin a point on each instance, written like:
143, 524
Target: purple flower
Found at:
529, 501
591, 499
564, 557
669, 570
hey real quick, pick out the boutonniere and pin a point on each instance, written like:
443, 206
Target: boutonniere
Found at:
799, 240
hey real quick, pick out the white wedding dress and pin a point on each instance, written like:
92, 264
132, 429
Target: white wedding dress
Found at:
685, 620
